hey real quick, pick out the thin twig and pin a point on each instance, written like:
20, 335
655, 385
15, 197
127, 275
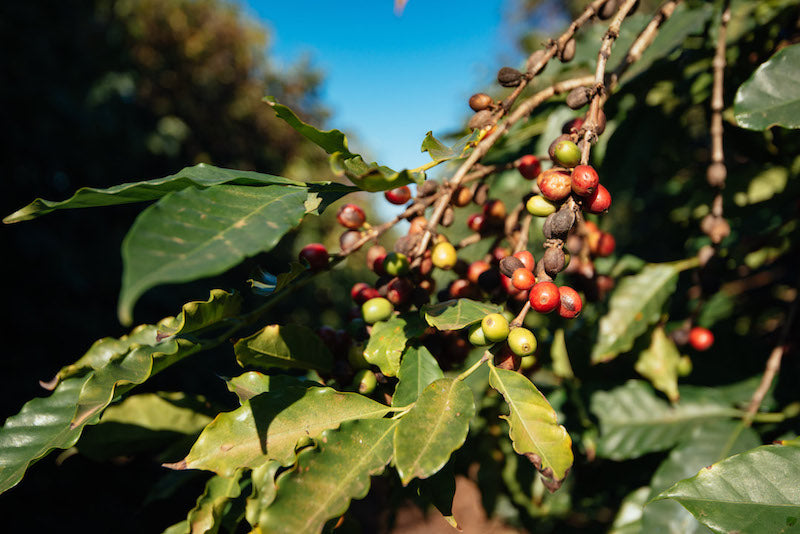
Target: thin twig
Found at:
717, 105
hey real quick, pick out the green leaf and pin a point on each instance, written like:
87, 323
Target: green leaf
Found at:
327, 478
41, 425
58, 420
248, 385
753, 492
196, 233
263, 494
634, 421
763, 186
707, 444
659, 364
201, 176
769, 97
331, 141
629, 516
438, 151
418, 369
288, 346
558, 353
458, 313
269, 425
439, 490
388, 341
207, 514
435, 427
636, 304
533, 426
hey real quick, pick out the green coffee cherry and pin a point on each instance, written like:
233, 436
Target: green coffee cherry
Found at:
539, 206
495, 327
364, 382
377, 309
476, 335
395, 264
522, 341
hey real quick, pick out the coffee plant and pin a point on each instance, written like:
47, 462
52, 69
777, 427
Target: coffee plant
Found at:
590, 315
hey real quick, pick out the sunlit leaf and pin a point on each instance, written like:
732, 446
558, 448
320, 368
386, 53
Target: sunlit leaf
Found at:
269, 425
435, 427
533, 426
635, 304
769, 97
288, 346
753, 492
196, 233
248, 385
659, 364
418, 368
438, 151
329, 476
388, 341
458, 313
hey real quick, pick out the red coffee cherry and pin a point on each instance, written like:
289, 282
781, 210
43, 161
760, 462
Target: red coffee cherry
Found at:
584, 180
573, 126
598, 202
545, 297
399, 291
375, 257
351, 216
476, 222
476, 269
555, 184
526, 258
523, 279
605, 245
400, 195
570, 304
701, 338
494, 210
362, 292
529, 166
315, 255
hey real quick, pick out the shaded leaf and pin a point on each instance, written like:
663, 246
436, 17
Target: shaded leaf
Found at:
248, 385
269, 425
560, 356
435, 427
201, 176
288, 346
417, 369
328, 477
753, 492
196, 233
634, 421
629, 516
388, 341
206, 516
533, 426
763, 186
263, 493
659, 364
439, 489
458, 313
636, 304
769, 97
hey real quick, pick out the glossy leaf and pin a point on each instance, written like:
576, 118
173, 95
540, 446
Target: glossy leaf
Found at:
41, 425
206, 516
636, 304
634, 421
458, 313
388, 341
707, 444
418, 369
659, 364
533, 426
196, 233
328, 477
269, 425
201, 176
248, 385
435, 427
288, 346
753, 492
263, 492
769, 97
438, 151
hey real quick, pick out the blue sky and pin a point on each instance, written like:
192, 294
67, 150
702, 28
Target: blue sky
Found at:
389, 79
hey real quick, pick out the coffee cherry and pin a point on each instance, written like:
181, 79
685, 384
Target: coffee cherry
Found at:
362, 292
476, 335
607, 10
444, 255
377, 309
526, 258
566, 153
510, 264
605, 245
348, 240
523, 279
395, 264
315, 255
480, 101
684, 366
522, 341
572, 126
555, 184
494, 210
351, 216
598, 202
462, 196
476, 269
495, 327
601, 122
539, 206
570, 303
480, 120
578, 97
584, 180
461, 288
476, 222
400, 195
399, 291
561, 222
448, 216
509, 77
554, 261
506, 359
545, 297
418, 225
529, 166
701, 338
499, 252
375, 257
364, 382
568, 52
